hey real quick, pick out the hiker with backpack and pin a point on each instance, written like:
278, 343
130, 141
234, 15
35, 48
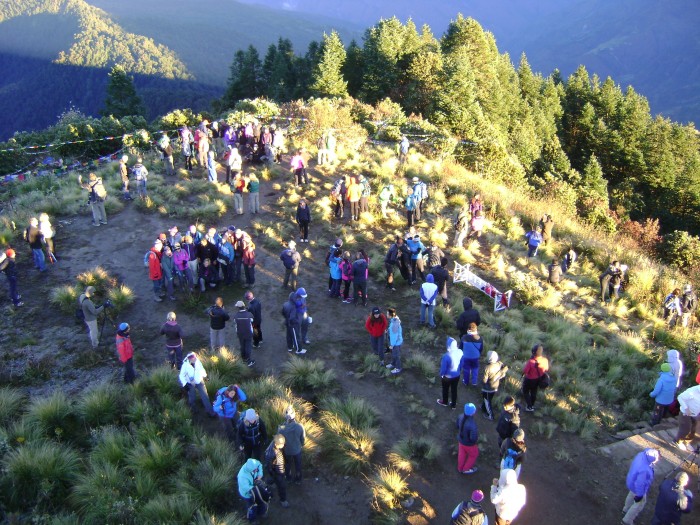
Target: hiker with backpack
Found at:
420, 195
672, 308
292, 325
9, 267
535, 374
411, 205
226, 407
546, 226
360, 270
339, 193
554, 273
192, 376
253, 489
569, 260
173, 340
394, 259
472, 348
96, 198
252, 435
534, 239
35, 239
275, 467
491, 378
640, 478
291, 259
124, 175
449, 373
125, 352
294, 439
470, 512
606, 277
663, 393
395, 334
467, 440
674, 500
89, 313
689, 303
346, 275
461, 226
331, 253
141, 175
509, 420
167, 151
513, 450
385, 197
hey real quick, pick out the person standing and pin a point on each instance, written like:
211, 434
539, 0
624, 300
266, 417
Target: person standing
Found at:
472, 348
354, 194
275, 466
534, 239
303, 218
246, 247
252, 434
470, 512
546, 226
467, 439
639, 480
48, 235
173, 340
291, 259
508, 421
234, 164
365, 194
441, 275
513, 450
9, 267
292, 325
253, 193
212, 175
124, 174
360, 269
689, 303
303, 314
187, 146
416, 247
385, 197
404, 145
411, 205
508, 497
167, 150
420, 195
96, 198
449, 373
295, 437
674, 500
663, 393
534, 370
298, 168
226, 407
672, 308
90, 313
689, 401
393, 259
554, 273
238, 185
141, 175
192, 375
244, 330
491, 378
255, 308
606, 277
252, 472
468, 316
376, 325
155, 271
428, 294
461, 224
125, 352
35, 240
217, 324
167, 266
395, 333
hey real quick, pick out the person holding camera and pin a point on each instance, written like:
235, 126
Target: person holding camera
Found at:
639, 480
192, 375
96, 198
90, 313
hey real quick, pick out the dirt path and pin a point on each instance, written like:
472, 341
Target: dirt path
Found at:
568, 491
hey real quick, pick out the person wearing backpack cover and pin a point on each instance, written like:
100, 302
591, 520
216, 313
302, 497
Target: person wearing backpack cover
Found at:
252, 434
275, 467
467, 440
472, 348
96, 198
295, 437
125, 352
449, 373
672, 308
639, 479
513, 450
470, 512
291, 259
226, 407
491, 378
689, 302
508, 421
249, 481
535, 368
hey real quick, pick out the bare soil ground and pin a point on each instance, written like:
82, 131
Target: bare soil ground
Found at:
44, 349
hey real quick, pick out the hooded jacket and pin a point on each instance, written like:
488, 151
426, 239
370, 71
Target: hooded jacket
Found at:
689, 401
228, 407
467, 433
294, 436
641, 472
449, 364
508, 497
255, 308
125, 349
428, 291
472, 345
469, 315
493, 372
376, 326
173, 334
673, 357
192, 374
395, 332
244, 324
673, 501
289, 310
665, 388
250, 471
359, 270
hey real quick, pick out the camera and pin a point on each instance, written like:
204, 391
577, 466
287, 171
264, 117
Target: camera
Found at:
108, 304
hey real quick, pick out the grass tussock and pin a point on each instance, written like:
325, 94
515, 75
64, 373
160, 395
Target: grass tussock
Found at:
311, 375
12, 402
410, 453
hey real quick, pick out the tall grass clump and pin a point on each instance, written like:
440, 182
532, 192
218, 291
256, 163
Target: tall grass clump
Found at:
12, 401
388, 488
41, 474
65, 298
112, 445
424, 364
121, 297
99, 278
409, 453
229, 366
161, 381
169, 508
159, 457
203, 518
102, 495
100, 406
355, 410
308, 375
53, 416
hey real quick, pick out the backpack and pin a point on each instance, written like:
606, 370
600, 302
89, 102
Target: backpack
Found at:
270, 456
468, 515
669, 301
99, 190
689, 302
347, 269
218, 404
287, 259
146, 257
328, 255
509, 460
163, 142
79, 314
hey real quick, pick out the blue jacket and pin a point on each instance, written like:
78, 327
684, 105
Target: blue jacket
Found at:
534, 238
225, 406
472, 348
395, 332
333, 264
467, 433
416, 248
410, 203
449, 364
250, 471
664, 389
673, 501
641, 473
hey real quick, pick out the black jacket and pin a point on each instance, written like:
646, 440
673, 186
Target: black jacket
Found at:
244, 324
303, 214
469, 315
255, 308
218, 317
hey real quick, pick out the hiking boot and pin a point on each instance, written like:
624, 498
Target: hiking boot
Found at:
441, 403
290, 349
470, 471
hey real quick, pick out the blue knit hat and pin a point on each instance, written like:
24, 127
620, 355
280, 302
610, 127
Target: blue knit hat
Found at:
123, 327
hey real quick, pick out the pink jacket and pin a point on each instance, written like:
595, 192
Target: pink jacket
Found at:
180, 259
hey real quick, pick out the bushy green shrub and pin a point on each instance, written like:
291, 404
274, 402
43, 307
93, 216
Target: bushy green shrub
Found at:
681, 250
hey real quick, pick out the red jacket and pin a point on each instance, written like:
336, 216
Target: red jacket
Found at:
378, 327
155, 272
124, 348
535, 367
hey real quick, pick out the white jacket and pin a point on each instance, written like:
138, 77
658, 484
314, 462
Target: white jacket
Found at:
509, 496
193, 375
689, 400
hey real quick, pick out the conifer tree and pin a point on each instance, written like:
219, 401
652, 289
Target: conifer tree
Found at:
122, 99
328, 78
353, 68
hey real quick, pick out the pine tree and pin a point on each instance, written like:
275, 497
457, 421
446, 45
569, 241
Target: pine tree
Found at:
246, 77
353, 68
122, 99
328, 78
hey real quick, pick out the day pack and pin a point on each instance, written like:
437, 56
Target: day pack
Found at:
79, 314
669, 301
146, 257
509, 460
163, 142
99, 190
270, 456
287, 259
218, 404
468, 515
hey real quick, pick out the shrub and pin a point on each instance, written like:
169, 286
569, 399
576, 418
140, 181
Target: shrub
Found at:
426, 365
226, 364
208, 519
681, 250
111, 447
264, 389
159, 457
308, 375
99, 278
161, 381
209, 485
121, 297
388, 488
12, 402
101, 495
41, 473
526, 287
168, 508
